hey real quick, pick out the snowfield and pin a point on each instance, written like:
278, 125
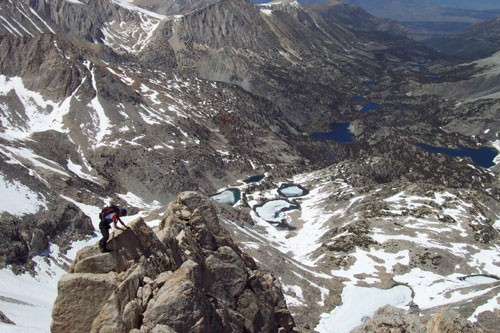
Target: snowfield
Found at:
418, 222
18, 199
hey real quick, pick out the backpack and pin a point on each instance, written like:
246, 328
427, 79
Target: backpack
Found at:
106, 211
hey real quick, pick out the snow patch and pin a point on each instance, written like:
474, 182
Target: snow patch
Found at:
99, 119
27, 300
267, 12
128, 4
496, 145
78, 170
39, 114
492, 305
139, 202
358, 304
432, 289
18, 199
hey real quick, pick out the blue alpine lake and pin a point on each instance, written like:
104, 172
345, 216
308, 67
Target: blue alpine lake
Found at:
340, 133
254, 179
482, 156
370, 107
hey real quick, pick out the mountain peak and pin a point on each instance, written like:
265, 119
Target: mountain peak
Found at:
188, 276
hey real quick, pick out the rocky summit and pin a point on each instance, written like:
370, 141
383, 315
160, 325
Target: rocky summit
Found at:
187, 276
355, 169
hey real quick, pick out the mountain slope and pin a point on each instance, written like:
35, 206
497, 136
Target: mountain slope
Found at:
427, 19
119, 117
134, 106
475, 42
366, 238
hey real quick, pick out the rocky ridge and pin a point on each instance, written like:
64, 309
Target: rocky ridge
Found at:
187, 276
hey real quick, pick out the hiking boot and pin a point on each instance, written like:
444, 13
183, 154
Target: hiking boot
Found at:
103, 248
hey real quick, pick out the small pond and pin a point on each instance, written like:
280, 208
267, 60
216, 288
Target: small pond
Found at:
274, 210
483, 156
370, 107
228, 197
340, 133
292, 190
254, 179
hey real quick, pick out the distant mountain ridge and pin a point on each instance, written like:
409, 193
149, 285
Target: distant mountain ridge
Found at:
475, 42
424, 19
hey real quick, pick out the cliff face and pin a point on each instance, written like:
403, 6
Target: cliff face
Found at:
188, 276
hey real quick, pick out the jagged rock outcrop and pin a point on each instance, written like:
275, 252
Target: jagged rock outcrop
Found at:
188, 276
391, 319
5, 319
448, 320
28, 235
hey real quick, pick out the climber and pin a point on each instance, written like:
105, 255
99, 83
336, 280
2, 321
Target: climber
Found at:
107, 215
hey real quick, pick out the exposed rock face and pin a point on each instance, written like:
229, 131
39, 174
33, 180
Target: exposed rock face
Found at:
348, 16
84, 18
390, 319
450, 321
5, 319
189, 276
23, 237
154, 105
178, 7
